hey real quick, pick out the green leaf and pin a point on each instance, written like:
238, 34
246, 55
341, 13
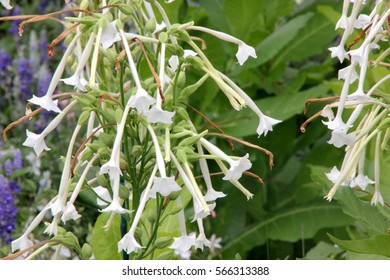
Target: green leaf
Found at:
280, 38
105, 242
281, 107
322, 251
298, 223
241, 16
367, 216
214, 10
378, 244
314, 38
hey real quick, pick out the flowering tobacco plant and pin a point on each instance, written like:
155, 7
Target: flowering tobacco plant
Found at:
362, 109
134, 151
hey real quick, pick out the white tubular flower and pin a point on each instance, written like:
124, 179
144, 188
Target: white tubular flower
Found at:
266, 122
102, 193
183, 244
201, 241
159, 27
128, 242
327, 113
164, 186
211, 194
52, 229
141, 100
157, 115
342, 22
46, 101
77, 79
340, 138
333, 175
21, 243
343, 74
361, 181
237, 167
115, 205
59, 204
338, 52
362, 21
244, 50
70, 213
6, 4
37, 141
110, 35
377, 197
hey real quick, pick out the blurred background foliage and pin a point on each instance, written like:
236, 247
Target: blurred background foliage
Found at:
288, 217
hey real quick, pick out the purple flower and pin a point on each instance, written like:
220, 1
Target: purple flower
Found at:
8, 167
43, 44
14, 29
7, 211
18, 160
43, 5
5, 64
43, 81
25, 78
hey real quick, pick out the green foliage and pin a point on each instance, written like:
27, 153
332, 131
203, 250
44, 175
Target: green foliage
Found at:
105, 241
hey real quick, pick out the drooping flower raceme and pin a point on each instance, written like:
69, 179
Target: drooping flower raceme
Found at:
362, 127
135, 151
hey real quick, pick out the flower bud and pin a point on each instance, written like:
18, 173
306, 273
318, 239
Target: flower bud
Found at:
151, 25
163, 242
86, 251
123, 192
165, 256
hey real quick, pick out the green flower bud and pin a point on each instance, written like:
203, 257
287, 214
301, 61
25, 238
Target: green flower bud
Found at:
123, 192
107, 139
163, 242
127, 10
83, 118
174, 196
87, 20
165, 255
87, 154
137, 150
118, 115
69, 240
163, 37
86, 251
150, 25
102, 181
138, 233
186, 92
119, 24
84, 4
114, 2
123, 164
181, 79
181, 155
93, 146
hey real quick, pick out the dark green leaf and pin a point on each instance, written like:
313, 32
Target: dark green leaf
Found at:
378, 244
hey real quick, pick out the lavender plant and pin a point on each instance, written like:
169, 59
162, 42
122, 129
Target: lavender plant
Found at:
134, 150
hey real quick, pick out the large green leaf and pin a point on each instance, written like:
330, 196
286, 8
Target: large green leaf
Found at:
378, 244
298, 223
105, 242
214, 10
367, 216
314, 38
241, 16
279, 39
281, 107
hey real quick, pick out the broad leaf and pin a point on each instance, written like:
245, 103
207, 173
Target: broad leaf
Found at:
378, 244
281, 107
298, 223
105, 242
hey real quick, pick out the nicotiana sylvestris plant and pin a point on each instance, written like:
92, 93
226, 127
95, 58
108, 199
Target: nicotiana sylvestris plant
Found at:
362, 109
134, 146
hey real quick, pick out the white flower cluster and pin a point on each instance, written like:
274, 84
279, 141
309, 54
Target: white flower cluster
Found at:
136, 130
361, 45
